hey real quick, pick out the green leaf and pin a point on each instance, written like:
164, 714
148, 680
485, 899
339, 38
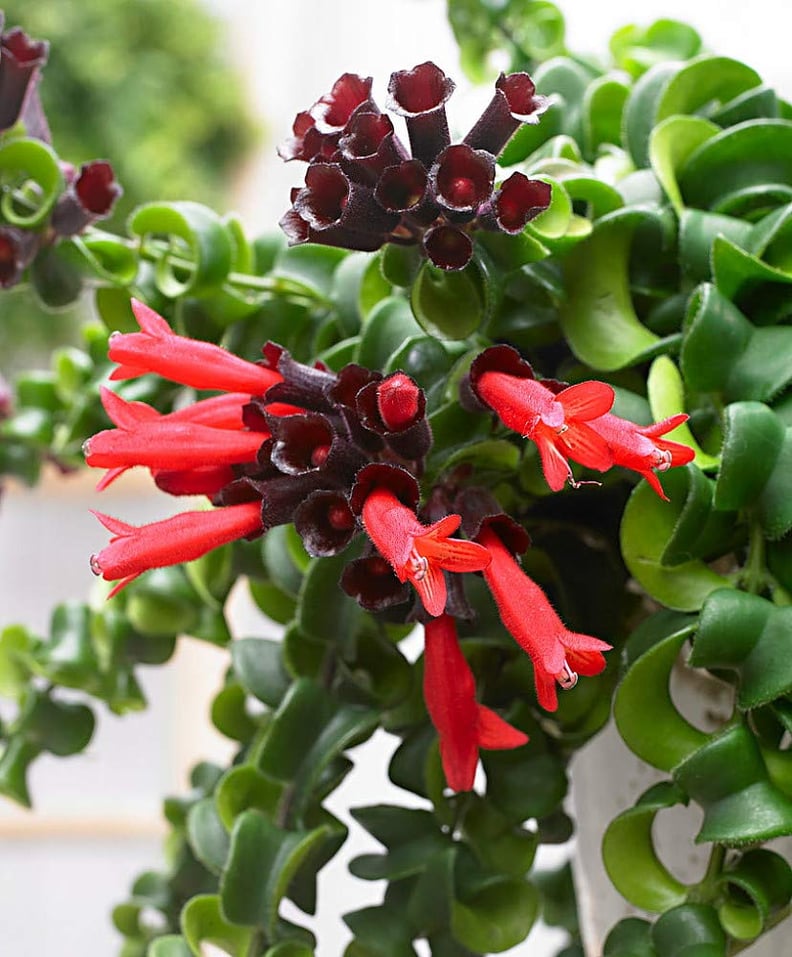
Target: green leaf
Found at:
630, 858
385, 330
273, 601
746, 634
245, 787
324, 611
521, 787
648, 526
15, 647
671, 143
750, 154
379, 932
500, 845
495, 918
312, 266
645, 715
597, 316
603, 105
752, 442
262, 861
723, 352
631, 937
193, 229
636, 48
309, 729
202, 922
18, 754
171, 945
729, 780
24, 162
641, 108
666, 394
689, 930
705, 81
755, 888
259, 666
207, 835
449, 305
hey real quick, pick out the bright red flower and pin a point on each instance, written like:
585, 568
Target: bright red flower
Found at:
463, 725
173, 442
202, 365
559, 423
419, 553
641, 448
183, 538
558, 655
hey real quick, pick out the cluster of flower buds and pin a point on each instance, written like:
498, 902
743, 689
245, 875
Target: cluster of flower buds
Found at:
340, 455
88, 194
363, 188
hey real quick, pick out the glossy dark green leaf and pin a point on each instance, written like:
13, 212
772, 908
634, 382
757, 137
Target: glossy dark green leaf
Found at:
729, 779
603, 105
689, 929
748, 635
379, 932
309, 729
500, 845
752, 443
388, 326
498, 916
56, 280
641, 108
207, 835
400, 264
60, 727
69, 658
521, 787
723, 352
324, 611
700, 531
631, 937
380, 670
262, 860
17, 756
279, 562
230, 715
259, 667
630, 857
449, 305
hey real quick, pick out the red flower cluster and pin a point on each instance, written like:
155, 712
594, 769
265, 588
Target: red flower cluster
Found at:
572, 422
363, 188
338, 454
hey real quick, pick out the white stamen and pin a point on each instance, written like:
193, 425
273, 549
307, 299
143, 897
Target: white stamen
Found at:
567, 678
419, 566
662, 460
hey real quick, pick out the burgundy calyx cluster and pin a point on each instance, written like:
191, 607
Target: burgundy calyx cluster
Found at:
363, 188
89, 193
325, 429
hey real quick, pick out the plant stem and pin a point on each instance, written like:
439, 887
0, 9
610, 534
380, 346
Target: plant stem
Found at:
754, 573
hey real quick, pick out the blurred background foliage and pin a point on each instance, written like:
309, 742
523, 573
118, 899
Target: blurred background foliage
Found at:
150, 86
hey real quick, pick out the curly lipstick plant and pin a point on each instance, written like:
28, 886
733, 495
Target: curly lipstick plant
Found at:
540, 413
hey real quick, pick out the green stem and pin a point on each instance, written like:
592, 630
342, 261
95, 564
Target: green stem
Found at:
257, 944
754, 574
706, 890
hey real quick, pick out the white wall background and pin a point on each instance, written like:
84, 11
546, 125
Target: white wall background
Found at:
97, 822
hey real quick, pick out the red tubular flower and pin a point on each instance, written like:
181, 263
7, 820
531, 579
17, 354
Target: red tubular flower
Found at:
183, 538
418, 553
641, 448
463, 725
515, 102
557, 423
558, 655
144, 437
202, 365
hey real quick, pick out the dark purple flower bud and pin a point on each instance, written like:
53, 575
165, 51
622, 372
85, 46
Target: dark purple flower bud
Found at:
373, 584
282, 495
325, 523
20, 60
17, 250
302, 443
515, 102
329, 199
369, 145
307, 143
306, 387
516, 203
448, 247
350, 381
332, 111
479, 508
90, 196
462, 179
420, 95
